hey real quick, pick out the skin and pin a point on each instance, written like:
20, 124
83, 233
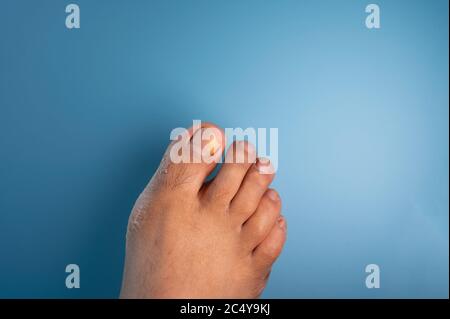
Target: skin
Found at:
188, 238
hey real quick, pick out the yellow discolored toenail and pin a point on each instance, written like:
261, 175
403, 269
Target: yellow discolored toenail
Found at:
213, 145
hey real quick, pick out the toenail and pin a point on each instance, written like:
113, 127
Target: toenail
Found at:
281, 222
264, 166
213, 145
272, 195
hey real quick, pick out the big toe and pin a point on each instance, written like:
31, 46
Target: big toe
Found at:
190, 158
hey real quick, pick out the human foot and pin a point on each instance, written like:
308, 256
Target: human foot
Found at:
188, 238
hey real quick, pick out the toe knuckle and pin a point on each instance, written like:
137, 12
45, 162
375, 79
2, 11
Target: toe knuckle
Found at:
176, 177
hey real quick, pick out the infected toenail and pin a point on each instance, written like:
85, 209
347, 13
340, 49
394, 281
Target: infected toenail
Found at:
213, 145
272, 195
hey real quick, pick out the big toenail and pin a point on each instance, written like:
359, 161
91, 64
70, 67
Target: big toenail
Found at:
213, 145
272, 195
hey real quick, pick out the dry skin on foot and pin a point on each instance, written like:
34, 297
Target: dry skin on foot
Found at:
188, 238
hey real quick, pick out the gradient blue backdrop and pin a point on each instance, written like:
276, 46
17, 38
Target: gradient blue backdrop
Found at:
363, 118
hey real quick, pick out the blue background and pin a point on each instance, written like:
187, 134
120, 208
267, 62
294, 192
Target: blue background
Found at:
363, 118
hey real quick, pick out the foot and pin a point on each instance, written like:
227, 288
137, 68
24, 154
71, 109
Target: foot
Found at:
188, 238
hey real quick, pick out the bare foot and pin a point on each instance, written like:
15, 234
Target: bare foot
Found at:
191, 239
